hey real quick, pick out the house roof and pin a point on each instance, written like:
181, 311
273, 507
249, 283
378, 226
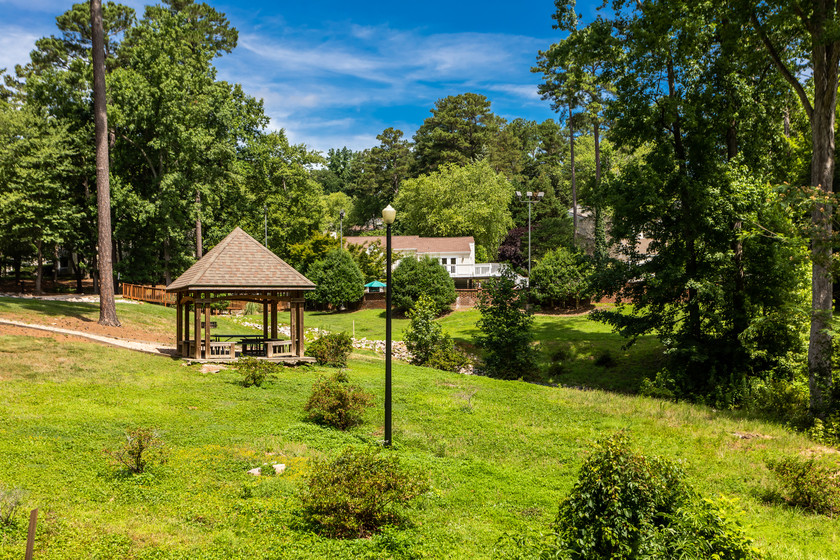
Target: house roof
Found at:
420, 245
240, 262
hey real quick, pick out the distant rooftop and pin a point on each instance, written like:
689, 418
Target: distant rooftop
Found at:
421, 245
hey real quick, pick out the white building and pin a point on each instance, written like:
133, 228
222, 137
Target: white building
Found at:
455, 254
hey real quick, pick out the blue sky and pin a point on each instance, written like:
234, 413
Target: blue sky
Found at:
337, 73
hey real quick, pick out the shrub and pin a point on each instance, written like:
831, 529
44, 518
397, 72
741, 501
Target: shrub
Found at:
337, 278
338, 403
331, 349
10, 501
358, 493
254, 372
808, 485
560, 278
625, 505
428, 344
505, 325
446, 357
417, 277
142, 448
605, 359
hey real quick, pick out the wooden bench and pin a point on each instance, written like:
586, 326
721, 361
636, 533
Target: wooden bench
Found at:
275, 347
218, 350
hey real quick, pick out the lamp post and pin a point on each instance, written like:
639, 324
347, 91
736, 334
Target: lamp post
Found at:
265, 222
388, 216
341, 229
529, 199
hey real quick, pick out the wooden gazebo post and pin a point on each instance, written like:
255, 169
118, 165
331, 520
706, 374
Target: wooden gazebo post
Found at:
197, 341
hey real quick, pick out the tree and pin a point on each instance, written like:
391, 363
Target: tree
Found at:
370, 258
689, 185
423, 335
277, 177
178, 136
505, 326
801, 40
107, 304
338, 279
574, 76
560, 276
458, 132
378, 173
34, 166
458, 201
302, 255
414, 278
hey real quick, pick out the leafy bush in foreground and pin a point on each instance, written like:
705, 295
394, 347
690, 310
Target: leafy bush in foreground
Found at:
142, 447
625, 505
358, 493
336, 402
331, 349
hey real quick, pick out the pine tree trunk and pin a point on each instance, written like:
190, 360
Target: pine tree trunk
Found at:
574, 185
107, 305
199, 244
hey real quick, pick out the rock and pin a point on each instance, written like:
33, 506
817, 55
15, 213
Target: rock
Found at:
279, 468
211, 368
255, 472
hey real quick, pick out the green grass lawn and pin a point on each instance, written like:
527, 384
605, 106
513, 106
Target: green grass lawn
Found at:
499, 455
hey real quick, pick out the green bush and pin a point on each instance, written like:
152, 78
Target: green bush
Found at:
428, 344
10, 501
418, 277
336, 402
142, 447
560, 279
625, 505
358, 493
446, 357
505, 326
254, 372
331, 349
808, 485
337, 278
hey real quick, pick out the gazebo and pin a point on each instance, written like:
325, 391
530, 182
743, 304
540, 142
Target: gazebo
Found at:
240, 268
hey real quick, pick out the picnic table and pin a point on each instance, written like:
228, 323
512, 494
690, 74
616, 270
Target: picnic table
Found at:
256, 344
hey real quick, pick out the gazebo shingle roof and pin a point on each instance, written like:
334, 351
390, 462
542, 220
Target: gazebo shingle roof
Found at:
241, 262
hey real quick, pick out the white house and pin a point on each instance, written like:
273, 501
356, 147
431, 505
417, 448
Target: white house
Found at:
455, 254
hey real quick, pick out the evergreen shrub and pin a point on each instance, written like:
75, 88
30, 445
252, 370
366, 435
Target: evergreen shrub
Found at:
337, 403
358, 493
331, 349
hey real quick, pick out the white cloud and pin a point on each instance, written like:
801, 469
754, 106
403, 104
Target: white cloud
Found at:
15, 46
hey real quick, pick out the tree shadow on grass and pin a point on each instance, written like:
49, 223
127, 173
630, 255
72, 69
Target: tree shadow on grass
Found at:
54, 308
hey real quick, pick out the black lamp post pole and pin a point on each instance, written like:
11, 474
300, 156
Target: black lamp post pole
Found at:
388, 339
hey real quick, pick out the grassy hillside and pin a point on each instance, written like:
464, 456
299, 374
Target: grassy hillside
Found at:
499, 455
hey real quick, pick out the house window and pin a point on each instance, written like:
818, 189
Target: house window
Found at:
443, 261
452, 260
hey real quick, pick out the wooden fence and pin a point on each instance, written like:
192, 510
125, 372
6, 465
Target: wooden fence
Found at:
152, 294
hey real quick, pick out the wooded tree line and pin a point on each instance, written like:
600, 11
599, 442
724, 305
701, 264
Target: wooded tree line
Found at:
724, 114
191, 158
707, 129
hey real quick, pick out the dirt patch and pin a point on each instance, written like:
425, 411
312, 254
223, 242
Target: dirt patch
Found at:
92, 327
9, 330
748, 435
